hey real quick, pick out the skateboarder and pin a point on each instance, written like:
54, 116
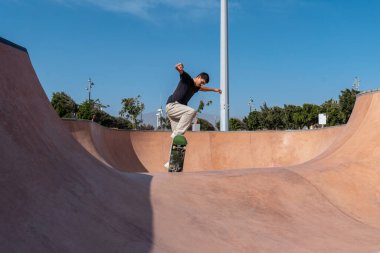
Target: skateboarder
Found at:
179, 114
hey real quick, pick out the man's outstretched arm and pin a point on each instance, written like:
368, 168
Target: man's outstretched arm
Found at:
203, 88
179, 68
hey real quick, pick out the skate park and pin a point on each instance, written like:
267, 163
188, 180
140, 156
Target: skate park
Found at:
75, 186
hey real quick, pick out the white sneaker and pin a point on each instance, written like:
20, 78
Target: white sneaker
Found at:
166, 165
173, 135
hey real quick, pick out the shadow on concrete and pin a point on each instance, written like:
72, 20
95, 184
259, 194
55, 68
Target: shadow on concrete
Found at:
55, 196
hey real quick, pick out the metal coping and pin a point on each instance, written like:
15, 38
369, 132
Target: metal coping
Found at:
10, 43
368, 92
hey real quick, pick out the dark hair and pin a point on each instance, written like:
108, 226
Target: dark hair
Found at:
204, 76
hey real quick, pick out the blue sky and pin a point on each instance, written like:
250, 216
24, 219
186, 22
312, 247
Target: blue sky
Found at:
281, 51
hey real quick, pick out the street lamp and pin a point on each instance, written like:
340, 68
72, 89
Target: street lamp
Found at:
159, 118
250, 103
89, 87
356, 84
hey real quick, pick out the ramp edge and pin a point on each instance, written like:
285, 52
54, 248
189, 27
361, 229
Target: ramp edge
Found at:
14, 45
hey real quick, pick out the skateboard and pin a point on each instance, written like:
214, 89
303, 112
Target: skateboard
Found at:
177, 154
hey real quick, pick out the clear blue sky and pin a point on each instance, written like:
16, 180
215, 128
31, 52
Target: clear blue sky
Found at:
281, 51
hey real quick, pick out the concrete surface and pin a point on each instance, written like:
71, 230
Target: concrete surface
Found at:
136, 151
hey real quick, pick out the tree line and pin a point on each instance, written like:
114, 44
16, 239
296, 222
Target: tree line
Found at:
299, 117
93, 110
266, 118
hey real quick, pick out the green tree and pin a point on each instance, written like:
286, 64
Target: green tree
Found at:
132, 107
234, 124
310, 114
333, 111
347, 100
146, 127
205, 125
165, 123
299, 118
122, 123
278, 118
293, 117
86, 110
254, 121
202, 104
107, 120
64, 105
269, 119
104, 119
90, 110
217, 125
237, 124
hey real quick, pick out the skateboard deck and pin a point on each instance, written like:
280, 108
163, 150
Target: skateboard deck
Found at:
177, 154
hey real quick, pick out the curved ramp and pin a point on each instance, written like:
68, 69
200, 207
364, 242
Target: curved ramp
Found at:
57, 197
136, 151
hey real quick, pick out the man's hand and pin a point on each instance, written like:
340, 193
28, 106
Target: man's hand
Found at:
179, 67
218, 90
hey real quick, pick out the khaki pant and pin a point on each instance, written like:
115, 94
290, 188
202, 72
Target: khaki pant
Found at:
180, 117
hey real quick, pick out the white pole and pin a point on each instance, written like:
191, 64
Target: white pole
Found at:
224, 103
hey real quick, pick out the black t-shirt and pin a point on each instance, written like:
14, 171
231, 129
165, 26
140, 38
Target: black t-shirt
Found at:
185, 90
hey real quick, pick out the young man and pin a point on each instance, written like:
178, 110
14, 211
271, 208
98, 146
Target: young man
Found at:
179, 114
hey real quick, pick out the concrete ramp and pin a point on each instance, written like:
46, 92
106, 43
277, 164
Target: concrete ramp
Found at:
55, 197
312, 191
137, 151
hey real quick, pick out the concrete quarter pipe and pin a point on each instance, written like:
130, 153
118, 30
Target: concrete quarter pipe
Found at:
66, 187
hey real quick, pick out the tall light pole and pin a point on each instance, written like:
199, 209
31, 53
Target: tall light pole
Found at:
250, 103
356, 84
89, 87
159, 115
224, 100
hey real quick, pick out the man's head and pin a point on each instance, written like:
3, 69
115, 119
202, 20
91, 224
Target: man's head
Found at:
201, 79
